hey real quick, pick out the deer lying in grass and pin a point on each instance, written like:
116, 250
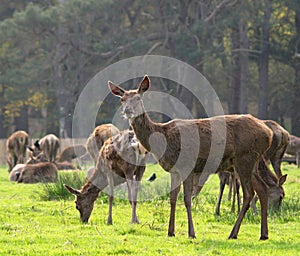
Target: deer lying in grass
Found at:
246, 141
274, 154
121, 158
71, 152
49, 145
96, 139
15, 172
16, 148
41, 158
294, 148
40, 172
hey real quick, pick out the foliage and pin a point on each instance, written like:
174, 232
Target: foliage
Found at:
50, 49
57, 191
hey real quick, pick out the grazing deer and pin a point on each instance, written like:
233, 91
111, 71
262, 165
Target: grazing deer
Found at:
280, 142
16, 148
294, 148
71, 152
275, 189
246, 140
96, 139
274, 154
121, 158
40, 172
49, 145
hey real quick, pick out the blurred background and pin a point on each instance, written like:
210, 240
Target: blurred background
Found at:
49, 49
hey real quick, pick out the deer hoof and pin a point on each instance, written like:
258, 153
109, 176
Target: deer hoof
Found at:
232, 237
171, 234
264, 237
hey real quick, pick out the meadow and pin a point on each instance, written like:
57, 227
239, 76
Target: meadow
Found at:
37, 219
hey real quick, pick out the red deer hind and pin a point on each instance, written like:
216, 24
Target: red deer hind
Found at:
48, 145
96, 139
294, 148
247, 139
121, 159
40, 172
274, 154
16, 148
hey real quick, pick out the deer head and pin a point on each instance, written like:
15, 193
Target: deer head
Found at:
276, 194
131, 100
83, 203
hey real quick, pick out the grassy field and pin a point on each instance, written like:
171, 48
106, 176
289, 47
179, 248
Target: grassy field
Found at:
32, 225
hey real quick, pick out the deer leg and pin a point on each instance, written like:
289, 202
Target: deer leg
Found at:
136, 186
222, 186
233, 185
132, 194
175, 188
245, 173
253, 204
298, 159
110, 197
262, 192
188, 189
237, 185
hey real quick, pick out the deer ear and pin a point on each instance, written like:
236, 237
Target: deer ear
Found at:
29, 148
282, 179
144, 85
37, 144
72, 190
115, 90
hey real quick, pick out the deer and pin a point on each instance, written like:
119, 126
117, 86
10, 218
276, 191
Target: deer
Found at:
121, 159
41, 158
96, 139
16, 148
49, 145
71, 152
41, 172
294, 148
15, 172
274, 154
247, 139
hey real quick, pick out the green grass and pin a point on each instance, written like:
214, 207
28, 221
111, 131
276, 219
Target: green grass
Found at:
31, 224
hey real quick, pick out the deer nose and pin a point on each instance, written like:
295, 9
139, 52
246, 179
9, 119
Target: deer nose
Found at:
127, 110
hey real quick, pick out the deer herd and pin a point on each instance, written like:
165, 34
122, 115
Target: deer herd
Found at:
182, 147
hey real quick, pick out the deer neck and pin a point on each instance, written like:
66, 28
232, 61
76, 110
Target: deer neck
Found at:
91, 190
96, 183
143, 127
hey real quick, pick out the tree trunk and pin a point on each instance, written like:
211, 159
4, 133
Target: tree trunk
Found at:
295, 113
21, 122
244, 60
3, 129
234, 104
263, 63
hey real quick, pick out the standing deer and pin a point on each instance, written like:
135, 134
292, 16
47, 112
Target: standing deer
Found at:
246, 140
294, 148
96, 139
121, 158
16, 148
274, 154
49, 145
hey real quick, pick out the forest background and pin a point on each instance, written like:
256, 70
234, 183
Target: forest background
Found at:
249, 51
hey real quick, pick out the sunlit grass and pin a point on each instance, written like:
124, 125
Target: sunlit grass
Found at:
29, 225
